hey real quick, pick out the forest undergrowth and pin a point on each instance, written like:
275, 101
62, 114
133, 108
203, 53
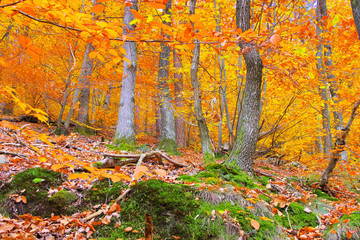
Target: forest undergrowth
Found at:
54, 187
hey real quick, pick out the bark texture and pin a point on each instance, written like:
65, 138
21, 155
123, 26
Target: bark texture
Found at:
179, 120
203, 129
355, 5
125, 132
85, 75
245, 145
168, 132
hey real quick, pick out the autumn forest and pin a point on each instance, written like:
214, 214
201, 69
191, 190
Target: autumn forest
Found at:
173, 119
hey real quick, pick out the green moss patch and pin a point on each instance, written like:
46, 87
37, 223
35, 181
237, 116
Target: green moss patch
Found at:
103, 192
169, 146
297, 216
321, 194
123, 144
61, 202
175, 211
34, 184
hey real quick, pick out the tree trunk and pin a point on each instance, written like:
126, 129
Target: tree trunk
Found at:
208, 155
125, 133
245, 145
179, 121
84, 98
321, 12
168, 132
355, 5
86, 70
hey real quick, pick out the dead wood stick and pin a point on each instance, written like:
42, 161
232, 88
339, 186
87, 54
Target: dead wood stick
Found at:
172, 161
148, 227
13, 154
156, 154
142, 156
101, 211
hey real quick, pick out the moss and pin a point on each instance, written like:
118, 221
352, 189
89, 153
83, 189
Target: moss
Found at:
169, 146
232, 174
123, 144
298, 217
321, 194
36, 182
207, 175
265, 198
264, 180
57, 131
85, 131
103, 191
61, 202
208, 158
188, 178
348, 223
266, 168
97, 164
172, 208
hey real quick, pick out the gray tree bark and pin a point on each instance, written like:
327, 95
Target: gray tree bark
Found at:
245, 145
125, 133
321, 11
168, 132
179, 121
208, 155
355, 6
84, 98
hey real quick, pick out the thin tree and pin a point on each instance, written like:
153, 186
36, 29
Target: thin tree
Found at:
208, 155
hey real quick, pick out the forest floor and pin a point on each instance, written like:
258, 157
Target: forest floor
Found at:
280, 202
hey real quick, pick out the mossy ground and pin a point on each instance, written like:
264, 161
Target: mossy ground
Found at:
177, 211
297, 216
169, 146
36, 182
103, 192
123, 144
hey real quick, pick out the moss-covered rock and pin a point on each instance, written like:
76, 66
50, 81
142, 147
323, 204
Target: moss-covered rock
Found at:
297, 216
176, 212
34, 184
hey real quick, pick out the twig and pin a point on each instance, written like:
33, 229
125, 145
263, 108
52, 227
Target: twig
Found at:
13, 154
288, 216
101, 211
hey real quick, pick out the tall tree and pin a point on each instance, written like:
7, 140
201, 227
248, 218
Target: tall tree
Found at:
203, 129
178, 87
125, 132
245, 145
343, 132
168, 132
85, 74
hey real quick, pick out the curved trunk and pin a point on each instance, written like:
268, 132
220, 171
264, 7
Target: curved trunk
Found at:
245, 144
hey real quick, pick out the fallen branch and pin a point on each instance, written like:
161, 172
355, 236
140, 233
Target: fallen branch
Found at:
101, 211
13, 154
137, 158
